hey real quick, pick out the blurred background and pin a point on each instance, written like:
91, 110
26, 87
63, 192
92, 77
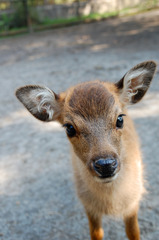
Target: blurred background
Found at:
17, 16
59, 44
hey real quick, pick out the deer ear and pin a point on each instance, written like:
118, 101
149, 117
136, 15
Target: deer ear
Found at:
133, 86
41, 102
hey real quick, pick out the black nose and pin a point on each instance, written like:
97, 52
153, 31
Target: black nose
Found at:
105, 167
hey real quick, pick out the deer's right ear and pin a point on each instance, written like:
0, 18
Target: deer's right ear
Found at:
40, 101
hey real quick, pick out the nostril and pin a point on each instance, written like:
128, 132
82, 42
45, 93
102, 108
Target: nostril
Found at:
105, 167
114, 163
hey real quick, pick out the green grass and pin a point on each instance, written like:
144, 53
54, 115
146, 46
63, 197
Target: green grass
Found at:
92, 16
48, 21
96, 16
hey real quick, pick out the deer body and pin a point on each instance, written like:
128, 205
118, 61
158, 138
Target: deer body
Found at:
105, 150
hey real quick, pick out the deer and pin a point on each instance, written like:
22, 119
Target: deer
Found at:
105, 147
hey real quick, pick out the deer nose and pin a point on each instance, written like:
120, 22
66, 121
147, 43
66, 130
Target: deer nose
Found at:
105, 167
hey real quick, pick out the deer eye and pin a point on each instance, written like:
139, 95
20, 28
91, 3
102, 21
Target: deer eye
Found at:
70, 130
120, 121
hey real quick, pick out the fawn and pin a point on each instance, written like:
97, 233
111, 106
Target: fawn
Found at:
106, 156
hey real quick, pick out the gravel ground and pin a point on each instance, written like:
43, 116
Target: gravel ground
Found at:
37, 195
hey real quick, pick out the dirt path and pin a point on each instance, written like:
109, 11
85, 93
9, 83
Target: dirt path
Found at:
37, 196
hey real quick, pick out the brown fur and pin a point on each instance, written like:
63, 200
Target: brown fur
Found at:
92, 109
95, 122
90, 100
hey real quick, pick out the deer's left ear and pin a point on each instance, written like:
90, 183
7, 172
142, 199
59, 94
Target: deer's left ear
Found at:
133, 86
41, 102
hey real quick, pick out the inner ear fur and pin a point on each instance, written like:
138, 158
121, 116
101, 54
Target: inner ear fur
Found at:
135, 83
41, 102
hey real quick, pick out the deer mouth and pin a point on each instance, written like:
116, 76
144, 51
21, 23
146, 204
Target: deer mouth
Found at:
106, 180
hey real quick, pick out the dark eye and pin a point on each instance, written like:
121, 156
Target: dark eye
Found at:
71, 132
120, 121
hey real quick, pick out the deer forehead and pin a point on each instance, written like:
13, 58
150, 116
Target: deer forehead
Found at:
90, 100
91, 106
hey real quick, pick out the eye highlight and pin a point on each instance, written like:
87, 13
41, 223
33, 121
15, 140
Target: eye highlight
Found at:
70, 130
120, 121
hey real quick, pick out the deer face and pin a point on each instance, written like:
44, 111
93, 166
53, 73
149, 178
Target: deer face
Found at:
93, 118
93, 114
